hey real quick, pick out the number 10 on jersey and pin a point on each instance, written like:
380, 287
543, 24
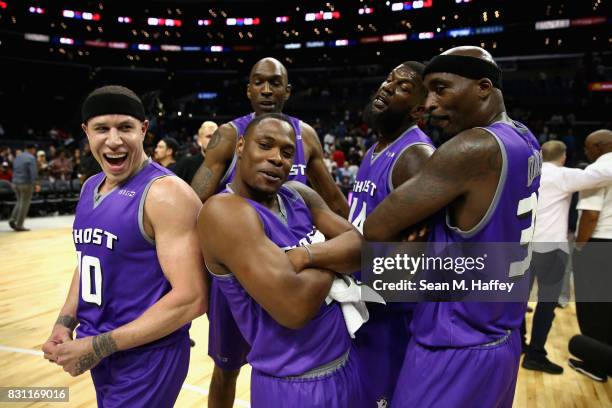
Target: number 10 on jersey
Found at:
91, 278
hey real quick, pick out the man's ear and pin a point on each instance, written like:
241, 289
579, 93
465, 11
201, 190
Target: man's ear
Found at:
485, 87
288, 89
240, 146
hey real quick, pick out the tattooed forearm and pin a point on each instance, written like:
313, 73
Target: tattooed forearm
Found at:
201, 181
85, 363
67, 321
104, 345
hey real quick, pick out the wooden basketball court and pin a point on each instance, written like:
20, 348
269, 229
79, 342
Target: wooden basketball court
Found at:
35, 272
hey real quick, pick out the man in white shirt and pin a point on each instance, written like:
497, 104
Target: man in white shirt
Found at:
592, 270
550, 246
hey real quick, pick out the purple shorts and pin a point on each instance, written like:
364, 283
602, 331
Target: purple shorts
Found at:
380, 346
226, 345
483, 376
144, 377
340, 387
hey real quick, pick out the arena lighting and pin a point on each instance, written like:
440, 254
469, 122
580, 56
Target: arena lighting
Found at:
204, 22
552, 24
341, 43
168, 22
144, 47
426, 35
588, 21
366, 10
81, 15
36, 10
36, 37
409, 5
293, 46
315, 44
247, 21
3, 4
118, 45
207, 95
460, 32
282, 19
96, 43
216, 48
462, 1
369, 40
395, 37
489, 30
600, 87
172, 48
327, 15
191, 48
125, 20
66, 41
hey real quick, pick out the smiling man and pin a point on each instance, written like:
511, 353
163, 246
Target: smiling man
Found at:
131, 296
268, 90
298, 344
399, 153
482, 184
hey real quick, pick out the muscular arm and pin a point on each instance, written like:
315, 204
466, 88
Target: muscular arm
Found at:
233, 240
467, 167
219, 154
318, 176
411, 161
178, 252
341, 252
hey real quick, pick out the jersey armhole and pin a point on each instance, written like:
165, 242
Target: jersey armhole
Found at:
141, 205
498, 192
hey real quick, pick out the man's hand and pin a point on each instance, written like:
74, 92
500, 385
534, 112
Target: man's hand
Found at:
77, 356
299, 258
59, 335
83, 354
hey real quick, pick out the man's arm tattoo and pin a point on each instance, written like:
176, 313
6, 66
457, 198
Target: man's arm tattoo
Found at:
67, 321
201, 180
104, 345
85, 363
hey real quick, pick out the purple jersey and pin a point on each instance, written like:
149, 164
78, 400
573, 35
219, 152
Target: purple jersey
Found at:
298, 169
277, 350
374, 180
120, 275
509, 219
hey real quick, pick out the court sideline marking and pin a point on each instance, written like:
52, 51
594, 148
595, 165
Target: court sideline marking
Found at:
194, 388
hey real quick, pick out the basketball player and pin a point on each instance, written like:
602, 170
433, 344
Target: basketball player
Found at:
401, 150
485, 177
268, 90
299, 344
131, 296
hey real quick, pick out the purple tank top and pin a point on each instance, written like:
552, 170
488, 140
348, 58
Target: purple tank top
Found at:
277, 350
510, 219
298, 170
120, 275
374, 179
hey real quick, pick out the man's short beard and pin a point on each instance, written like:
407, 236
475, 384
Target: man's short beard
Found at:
386, 121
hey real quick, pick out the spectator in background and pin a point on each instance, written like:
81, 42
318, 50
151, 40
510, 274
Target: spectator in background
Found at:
5, 172
60, 168
166, 151
89, 165
25, 173
42, 165
6, 154
186, 167
76, 161
338, 156
329, 140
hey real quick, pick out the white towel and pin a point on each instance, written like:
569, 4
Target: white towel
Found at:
352, 297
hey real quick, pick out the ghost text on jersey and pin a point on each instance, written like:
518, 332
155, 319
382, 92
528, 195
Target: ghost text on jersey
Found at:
94, 236
365, 186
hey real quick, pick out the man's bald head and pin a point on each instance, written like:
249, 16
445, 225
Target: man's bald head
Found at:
471, 51
598, 143
271, 62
